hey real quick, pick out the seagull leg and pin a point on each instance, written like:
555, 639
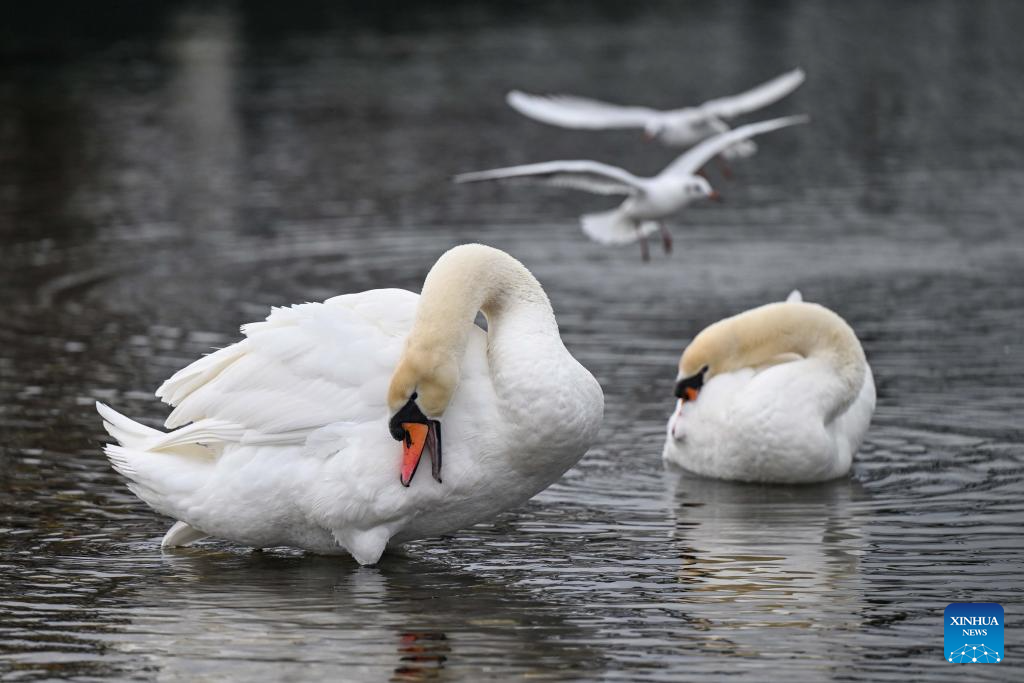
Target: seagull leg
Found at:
645, 252
666, 238
724, 167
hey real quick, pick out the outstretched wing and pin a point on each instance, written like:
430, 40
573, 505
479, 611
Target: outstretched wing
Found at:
305, 367
589, 176
694, 159
570, 111
755, 98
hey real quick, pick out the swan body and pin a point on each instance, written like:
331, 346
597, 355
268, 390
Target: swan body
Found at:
648, 200
785, 395
283, 438
683, 127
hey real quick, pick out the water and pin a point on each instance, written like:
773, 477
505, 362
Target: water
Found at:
165, 178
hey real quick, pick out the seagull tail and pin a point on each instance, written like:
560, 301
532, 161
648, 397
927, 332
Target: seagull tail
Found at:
615, 227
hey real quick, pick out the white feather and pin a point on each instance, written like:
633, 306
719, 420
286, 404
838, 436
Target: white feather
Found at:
755, 98
590, 176
570, 111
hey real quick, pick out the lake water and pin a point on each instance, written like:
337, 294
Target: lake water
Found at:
165, 178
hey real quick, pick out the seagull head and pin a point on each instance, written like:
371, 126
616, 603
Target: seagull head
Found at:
698, 187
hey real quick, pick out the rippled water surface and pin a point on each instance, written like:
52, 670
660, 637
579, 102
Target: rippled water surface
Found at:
164, 178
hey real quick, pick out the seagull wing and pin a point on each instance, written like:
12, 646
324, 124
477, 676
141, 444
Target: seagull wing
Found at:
755, 98
694, 159
589, 176
569, 111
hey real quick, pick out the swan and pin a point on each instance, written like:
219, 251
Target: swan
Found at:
648, 200
781, 393
675, 128
309, 431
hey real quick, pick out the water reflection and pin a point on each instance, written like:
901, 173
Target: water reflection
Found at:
269, 613
772, 551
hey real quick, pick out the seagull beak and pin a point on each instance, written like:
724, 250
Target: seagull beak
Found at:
714, 196
420, 437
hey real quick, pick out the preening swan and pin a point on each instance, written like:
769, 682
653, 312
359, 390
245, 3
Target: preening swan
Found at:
309, 431
781, 393
648, 200
676, 128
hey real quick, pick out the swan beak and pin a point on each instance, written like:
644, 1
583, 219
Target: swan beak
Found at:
688, 388
412, 449
714, 196
420, 437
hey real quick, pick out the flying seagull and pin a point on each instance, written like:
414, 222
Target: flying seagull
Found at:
675, 128
648, 200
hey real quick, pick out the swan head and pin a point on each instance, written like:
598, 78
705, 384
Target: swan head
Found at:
689, 386
769, 335
420, 390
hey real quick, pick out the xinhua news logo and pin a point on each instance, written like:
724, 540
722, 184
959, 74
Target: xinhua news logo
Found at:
973, 633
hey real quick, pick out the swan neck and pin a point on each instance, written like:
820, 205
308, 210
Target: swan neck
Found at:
472, 279
782, 332
465, 280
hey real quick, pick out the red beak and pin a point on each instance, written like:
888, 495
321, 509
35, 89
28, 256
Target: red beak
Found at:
412, 449
420, 437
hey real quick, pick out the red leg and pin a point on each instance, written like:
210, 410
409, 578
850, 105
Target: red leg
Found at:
645, 252
723, 165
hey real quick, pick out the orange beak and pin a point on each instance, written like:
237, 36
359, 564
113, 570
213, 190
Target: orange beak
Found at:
691, 393
714, 196
412, 449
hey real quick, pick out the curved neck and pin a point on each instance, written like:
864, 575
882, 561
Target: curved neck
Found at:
780, 332
465, 280
473, 278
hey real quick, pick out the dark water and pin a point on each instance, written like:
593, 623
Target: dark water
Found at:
165, 177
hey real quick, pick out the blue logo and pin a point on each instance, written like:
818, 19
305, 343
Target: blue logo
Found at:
973, 633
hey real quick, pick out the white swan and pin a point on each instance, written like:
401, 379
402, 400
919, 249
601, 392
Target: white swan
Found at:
675, 128
781, 393
288, 437
648, 200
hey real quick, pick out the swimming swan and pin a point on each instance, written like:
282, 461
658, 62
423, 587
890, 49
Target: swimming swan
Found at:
309, 432
781, 393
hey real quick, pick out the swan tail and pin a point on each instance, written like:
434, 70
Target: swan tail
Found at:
124, 429
615, 227
164, 470
795, 296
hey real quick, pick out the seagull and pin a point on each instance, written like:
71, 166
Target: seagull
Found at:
648, 200
675, 128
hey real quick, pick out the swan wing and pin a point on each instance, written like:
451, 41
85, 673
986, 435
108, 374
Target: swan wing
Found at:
304, 367
694, 159
569, 111
589, 176
755, 98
